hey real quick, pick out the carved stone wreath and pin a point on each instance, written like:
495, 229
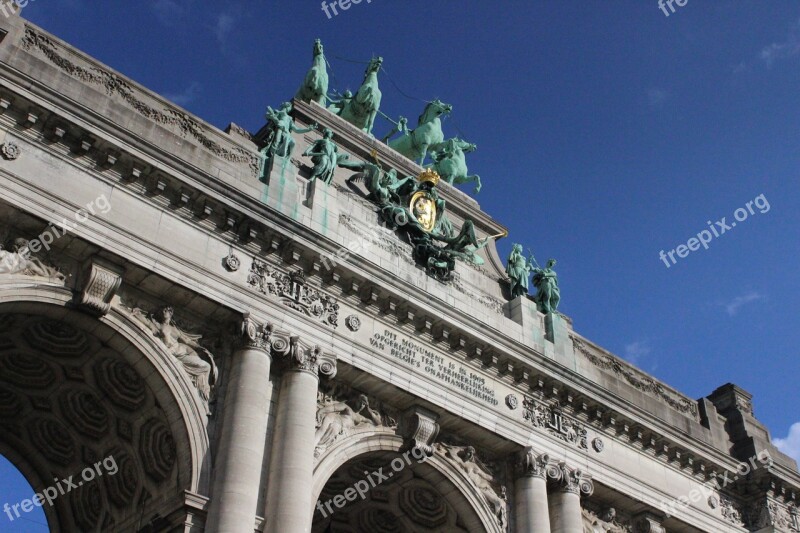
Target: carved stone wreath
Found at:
293, 292
10, 150
353, 323
512, 402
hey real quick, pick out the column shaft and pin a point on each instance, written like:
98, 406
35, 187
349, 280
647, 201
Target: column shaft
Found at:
532, 511
240, 453
565, 512
289, 498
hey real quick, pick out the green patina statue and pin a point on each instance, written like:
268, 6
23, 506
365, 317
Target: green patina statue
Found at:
315, 85
416, 144
361, 110
548, 294
519, 270
325, 156
450, 163
413, 206
279, 141
337, 106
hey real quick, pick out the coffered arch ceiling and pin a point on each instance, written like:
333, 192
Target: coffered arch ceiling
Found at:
75, 391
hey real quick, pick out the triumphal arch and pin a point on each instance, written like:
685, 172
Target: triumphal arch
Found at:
303, 329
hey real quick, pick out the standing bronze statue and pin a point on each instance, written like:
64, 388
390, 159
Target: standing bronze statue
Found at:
518, 270
548, 294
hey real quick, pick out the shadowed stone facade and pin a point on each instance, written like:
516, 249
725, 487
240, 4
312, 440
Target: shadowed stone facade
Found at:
260, 353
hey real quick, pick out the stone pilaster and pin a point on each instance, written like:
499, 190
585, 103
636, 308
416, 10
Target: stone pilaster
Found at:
289, 499
565, 500
240, 452
531, 509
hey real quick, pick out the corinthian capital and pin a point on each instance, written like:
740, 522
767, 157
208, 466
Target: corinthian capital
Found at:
571, 479
255, 335
533, 463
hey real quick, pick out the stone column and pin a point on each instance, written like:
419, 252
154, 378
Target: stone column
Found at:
289, 498
240, 452
531, 508
565, 502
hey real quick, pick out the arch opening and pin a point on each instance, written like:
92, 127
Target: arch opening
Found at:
87, 418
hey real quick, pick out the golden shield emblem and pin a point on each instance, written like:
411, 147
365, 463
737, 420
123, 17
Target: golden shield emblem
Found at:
423, 209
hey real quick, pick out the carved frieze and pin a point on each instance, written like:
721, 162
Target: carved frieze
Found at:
114, 85
553, 419
293, 292
638, 380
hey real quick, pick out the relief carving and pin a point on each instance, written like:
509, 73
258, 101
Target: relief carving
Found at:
464, 458
337, 417
293, 292
605, 522
113, 84
196, 360
553, 419
638, 380
20, 261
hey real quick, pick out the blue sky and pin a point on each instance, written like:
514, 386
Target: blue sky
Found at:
606, 133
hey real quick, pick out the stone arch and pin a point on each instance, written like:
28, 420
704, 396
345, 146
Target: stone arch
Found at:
75, 390
383, 445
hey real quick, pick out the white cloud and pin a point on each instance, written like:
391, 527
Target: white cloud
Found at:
636, 351
223, 26
791, 444
737, 303
186, 97
167, 11
782, 50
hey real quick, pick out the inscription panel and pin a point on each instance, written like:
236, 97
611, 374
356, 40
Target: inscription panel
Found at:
438, 366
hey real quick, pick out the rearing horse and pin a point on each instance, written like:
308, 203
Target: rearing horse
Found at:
451, 165
361, 110
315, 84
416, 144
